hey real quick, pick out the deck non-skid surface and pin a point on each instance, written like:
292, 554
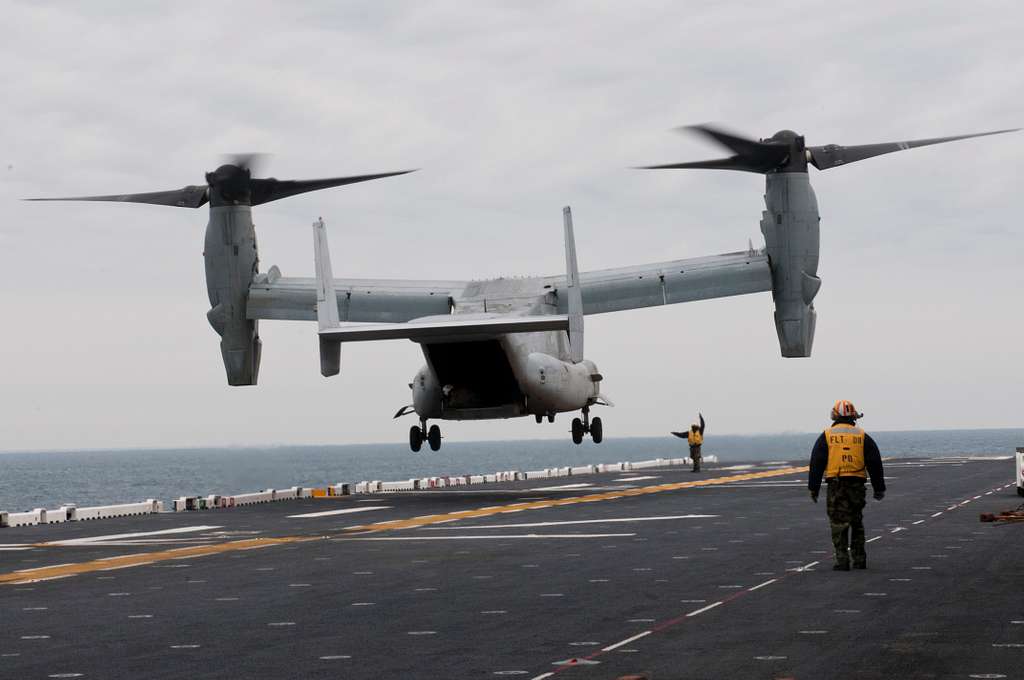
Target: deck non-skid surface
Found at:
722, 574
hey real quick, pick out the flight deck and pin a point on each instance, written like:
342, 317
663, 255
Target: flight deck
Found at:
658, 573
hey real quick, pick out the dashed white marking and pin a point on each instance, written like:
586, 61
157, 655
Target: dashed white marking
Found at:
363, 604
542, 676
140, 616
587, 643
118, 594
226, 599
626, 641
598, 580
692, 601
919, 521
1008, 644
872, 540
937, 514
35, 637
184, 646
362, 573
511, 672
697, 612
921, 568
875, 594
422, 632
344, 511
813, 632
335, 657
762, 585
897, 529
900, 580
495, 611
299, 585
846, 611
555, 488
552, 595
636, 479
769, 657
281, 623
987, 676
64, 675
34, 609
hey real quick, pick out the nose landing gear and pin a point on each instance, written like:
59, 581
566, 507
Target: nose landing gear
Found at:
587, 426
417, 435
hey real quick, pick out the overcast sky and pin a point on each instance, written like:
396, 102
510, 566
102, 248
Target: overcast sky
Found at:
512, 110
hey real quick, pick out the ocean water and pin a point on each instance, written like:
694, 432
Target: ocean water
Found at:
48, 479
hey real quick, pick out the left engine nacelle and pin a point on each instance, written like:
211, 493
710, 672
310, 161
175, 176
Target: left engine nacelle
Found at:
232, 262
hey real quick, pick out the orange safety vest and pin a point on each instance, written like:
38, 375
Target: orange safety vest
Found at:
694, 438
845, 451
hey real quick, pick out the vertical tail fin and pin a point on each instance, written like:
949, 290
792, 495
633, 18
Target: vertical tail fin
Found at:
574, 296
326, 301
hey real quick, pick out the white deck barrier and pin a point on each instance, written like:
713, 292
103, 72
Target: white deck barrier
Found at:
69, 512
1020, 470
26, 519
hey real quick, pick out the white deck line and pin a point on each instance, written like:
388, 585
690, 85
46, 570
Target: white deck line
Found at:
626, 641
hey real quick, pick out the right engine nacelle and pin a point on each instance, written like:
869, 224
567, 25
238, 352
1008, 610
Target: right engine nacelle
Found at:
791, 232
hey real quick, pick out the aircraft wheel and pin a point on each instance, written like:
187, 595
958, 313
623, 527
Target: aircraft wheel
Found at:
577, 431
539, 417
434, 437
415, 438
551, 417
596, 430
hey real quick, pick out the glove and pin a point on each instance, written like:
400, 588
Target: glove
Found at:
814, 496
879, 495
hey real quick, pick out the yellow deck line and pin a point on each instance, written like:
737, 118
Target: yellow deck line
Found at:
139, 559
557, 502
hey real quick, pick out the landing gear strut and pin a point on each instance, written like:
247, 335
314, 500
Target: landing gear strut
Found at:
587, 426
417, 435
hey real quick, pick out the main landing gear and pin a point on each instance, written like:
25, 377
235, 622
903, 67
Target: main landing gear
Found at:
417, 435
587, 426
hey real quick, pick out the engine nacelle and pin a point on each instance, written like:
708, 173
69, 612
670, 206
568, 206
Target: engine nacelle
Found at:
231, 263
791, 232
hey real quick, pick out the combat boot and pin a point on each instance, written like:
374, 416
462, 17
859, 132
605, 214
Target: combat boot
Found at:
842, 562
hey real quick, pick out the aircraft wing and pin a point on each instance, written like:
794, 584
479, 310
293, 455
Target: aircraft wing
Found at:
448, 329
666, 283
272, 296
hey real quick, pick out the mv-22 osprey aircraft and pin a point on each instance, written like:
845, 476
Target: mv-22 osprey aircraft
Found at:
504, 348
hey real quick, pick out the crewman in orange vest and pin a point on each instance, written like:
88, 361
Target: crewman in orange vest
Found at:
847, 456
695, 438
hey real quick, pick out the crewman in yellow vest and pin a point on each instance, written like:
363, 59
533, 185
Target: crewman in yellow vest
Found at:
695, 438
846, 456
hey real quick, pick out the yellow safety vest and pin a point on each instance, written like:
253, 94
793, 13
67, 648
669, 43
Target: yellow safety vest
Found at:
694, 438
845, 451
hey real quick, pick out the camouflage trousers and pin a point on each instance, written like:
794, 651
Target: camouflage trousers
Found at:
846, 498
695, 457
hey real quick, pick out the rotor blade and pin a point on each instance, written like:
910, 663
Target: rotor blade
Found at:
763, 161
833, 155
189, 197
251, 161
267, 190
740, 145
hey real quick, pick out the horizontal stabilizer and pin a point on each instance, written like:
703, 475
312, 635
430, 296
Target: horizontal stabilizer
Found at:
453, 330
